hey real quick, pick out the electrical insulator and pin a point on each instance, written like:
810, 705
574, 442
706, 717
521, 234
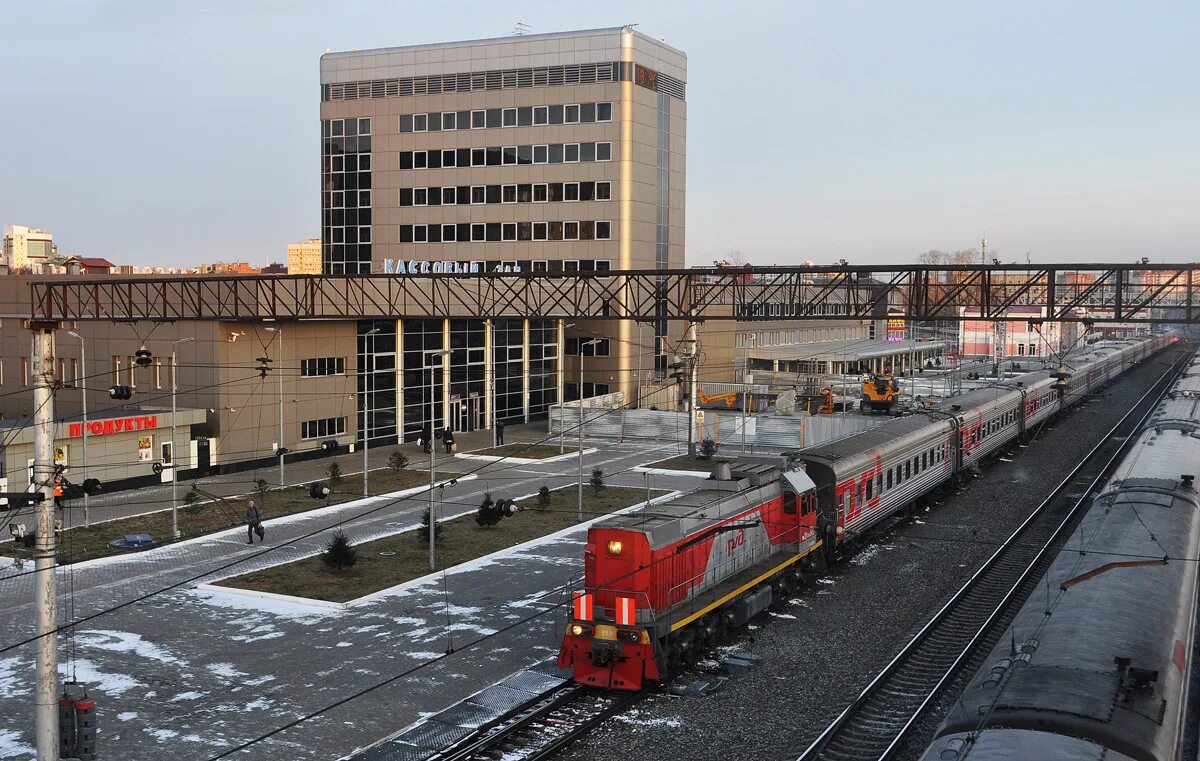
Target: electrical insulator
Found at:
91, 486
85, 729
143, 358
318, 490
264, 366
510, 508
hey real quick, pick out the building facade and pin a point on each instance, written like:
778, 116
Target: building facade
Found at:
304, 258
27, 248
540, 153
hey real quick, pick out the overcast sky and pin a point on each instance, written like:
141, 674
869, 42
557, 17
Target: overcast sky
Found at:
183, 132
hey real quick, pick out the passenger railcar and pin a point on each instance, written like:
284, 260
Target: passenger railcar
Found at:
663, 583
1105, 673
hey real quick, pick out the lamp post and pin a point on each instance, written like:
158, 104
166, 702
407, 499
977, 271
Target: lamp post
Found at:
582, 344
562, 401
83, 395
432, 421
174, 454
368, 380
279, 370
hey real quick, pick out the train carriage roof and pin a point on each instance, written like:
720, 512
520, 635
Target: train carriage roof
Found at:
858, 444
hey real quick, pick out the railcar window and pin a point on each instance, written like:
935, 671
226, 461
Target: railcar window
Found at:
879, 483
908, 470
924, 461
870, 491
889, 478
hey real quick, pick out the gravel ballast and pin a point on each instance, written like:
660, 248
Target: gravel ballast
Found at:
821, 649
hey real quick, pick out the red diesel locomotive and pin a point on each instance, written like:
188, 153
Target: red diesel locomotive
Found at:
657, 581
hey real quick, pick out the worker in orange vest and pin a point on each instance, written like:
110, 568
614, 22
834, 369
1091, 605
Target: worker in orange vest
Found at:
58, 490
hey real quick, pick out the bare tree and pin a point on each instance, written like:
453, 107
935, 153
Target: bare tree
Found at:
933, 256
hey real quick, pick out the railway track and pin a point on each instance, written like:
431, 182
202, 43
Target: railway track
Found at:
874, 725
541, 728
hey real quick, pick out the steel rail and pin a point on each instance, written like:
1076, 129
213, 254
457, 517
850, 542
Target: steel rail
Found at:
538, 728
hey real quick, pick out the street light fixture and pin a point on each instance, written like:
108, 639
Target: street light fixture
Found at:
432, 420
174, 454
582, 344
83, 395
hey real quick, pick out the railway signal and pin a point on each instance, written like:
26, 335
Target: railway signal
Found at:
120, 393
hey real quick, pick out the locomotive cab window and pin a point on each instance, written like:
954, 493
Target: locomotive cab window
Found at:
789, 503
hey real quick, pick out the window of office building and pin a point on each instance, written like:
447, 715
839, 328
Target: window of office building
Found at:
543, 365
322, 428
508, 338
346, 197
318, 366
420, 368
377, 380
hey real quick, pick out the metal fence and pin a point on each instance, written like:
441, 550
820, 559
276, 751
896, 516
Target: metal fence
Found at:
764, 430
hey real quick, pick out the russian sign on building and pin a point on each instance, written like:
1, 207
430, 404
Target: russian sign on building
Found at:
415, 267
113, 425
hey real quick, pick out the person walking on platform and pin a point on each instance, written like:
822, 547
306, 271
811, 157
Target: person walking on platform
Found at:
448, 439
253, 523
499, 432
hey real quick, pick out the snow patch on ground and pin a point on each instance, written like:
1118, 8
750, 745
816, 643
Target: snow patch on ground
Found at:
826, 581
636, 718
12, 747
782, 615
225, 670
124, 642
865, 556
10, 687
191, 695
292, 611
126, 716
162, 735
108, 683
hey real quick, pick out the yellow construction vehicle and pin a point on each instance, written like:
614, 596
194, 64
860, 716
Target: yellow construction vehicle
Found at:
729, 398
880, 392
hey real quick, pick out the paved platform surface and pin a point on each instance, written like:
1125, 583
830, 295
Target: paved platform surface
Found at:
195, 672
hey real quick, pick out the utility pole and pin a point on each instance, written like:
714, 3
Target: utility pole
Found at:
175, 454
692, 360
441, 356
46, 654
582, 344
279, 368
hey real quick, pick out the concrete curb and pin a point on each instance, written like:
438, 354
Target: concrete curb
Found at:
524, 460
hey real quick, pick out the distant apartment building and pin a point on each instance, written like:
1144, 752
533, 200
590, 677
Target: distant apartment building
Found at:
228, 268
304, 258
27, 247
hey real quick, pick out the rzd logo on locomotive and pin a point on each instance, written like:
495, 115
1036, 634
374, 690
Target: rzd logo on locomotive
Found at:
735, 541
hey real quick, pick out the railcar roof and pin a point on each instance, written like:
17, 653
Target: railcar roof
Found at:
702, 503
892, 430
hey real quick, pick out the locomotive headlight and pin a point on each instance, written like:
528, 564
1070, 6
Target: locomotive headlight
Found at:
615, 547
576, 630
